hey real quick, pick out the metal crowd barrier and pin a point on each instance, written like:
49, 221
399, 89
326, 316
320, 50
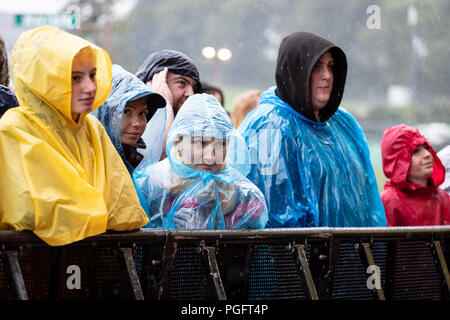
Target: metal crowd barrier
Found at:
313, 263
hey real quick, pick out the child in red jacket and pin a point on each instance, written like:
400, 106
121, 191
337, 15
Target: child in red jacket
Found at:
412, 196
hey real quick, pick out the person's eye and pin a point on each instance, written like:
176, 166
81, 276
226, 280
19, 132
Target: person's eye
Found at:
181, 83
76, 78
144, 113
93, 75
127, 112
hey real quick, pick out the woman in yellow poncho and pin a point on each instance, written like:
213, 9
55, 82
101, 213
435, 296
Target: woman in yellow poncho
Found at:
60, 175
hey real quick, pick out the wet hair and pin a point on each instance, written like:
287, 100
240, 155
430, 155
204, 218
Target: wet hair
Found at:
4, 71
243, 104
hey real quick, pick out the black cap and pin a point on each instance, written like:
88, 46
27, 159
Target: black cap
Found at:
175, 61
154, 101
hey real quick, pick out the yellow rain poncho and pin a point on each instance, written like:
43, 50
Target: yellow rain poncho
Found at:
62, 179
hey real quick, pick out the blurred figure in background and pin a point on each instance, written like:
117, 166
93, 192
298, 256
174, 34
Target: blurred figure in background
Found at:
243, 104
61, 176
309, 157
411, 197
173, 75
196, 188
215, 91
444, 155
7, 97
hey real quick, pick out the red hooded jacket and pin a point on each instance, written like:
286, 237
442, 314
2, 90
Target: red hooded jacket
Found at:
406, 203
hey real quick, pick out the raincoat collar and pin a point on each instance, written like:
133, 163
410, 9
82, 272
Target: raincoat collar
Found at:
397, 147
297, 56
270, 97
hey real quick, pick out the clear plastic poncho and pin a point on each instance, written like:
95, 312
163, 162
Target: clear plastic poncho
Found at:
312, 174
181, 197
125, 88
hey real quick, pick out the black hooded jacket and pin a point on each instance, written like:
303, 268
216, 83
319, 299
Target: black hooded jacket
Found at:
297, 56
175, 62
7, 99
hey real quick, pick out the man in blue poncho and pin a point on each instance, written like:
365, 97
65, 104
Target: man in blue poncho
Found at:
196, 186
309, 157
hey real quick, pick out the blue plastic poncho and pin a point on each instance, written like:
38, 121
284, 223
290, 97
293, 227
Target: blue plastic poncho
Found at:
185, 198
311, 173
127, 87
311, 161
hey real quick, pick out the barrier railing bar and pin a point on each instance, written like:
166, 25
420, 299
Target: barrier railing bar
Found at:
7, 236
214, 272
15, 275
300, 248
131, 273
443, 263
371, 262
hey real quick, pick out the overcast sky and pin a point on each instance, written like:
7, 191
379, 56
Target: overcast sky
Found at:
120, 9
31, 6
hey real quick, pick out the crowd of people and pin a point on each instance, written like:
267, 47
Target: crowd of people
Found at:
87, 146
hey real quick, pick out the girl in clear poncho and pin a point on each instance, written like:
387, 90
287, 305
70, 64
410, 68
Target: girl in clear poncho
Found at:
194, 188
61, 176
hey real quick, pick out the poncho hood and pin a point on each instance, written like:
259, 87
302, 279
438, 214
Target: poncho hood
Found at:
297, 56
42, 69
62, 179
126, 87
397, 147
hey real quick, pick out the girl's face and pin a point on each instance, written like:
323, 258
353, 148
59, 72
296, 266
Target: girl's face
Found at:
421, 164
84, 85
134, 121
202, 153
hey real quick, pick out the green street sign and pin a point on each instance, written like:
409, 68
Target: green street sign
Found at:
71, 19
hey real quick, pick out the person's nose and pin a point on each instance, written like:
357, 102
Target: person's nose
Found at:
189, 90
209, 154
427, 154
137, 122
90, 86
326, 73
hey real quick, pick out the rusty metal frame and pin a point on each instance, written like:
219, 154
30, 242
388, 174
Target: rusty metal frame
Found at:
368, 260
301, 255
442, 263
323, 284
214, 271
15, 276
129, 270
167, 263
